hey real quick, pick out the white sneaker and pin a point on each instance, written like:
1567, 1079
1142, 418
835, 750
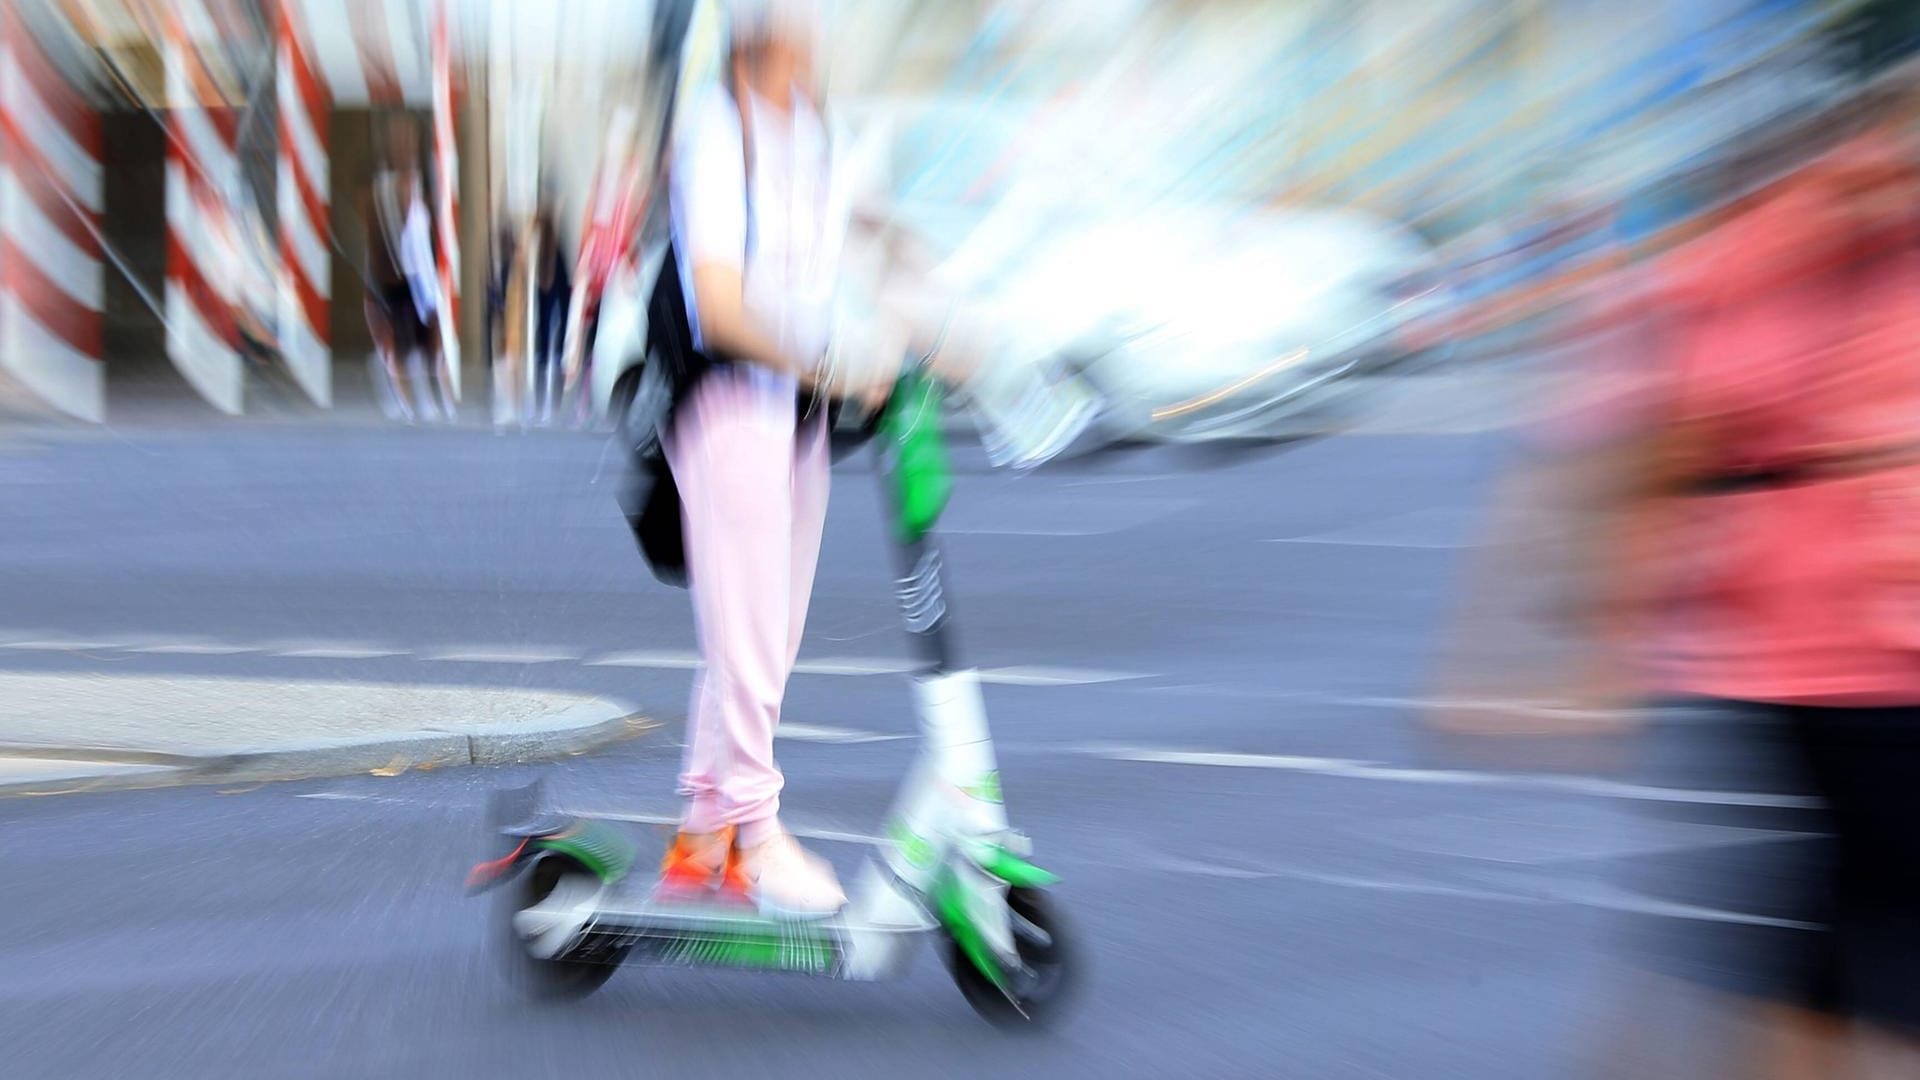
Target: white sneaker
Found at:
786, 881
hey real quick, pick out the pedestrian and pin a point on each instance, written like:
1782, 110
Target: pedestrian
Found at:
500, 323
403, 307
1751, 565
615, 207
553, 294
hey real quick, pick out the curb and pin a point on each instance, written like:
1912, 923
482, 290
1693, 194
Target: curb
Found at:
585, 727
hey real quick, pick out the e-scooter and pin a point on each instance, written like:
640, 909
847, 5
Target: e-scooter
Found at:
948, 865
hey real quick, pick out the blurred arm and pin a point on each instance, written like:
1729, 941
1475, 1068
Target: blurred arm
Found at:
728, 327
1561, 584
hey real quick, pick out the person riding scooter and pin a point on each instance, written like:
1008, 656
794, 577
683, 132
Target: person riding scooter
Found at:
757, 259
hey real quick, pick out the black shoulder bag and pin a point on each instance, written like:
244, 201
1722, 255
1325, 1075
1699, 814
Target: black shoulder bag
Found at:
673, 367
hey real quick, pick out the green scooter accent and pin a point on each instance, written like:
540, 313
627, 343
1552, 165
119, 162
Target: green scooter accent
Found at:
598, 847
950, 907
1015, 870
923, 480
949, 901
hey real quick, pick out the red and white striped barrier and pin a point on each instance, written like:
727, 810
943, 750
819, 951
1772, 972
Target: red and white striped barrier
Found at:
52, 321
301, 194
446, 218
203, 245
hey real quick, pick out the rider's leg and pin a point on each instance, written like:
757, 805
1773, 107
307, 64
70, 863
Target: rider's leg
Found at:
770, 863
732, 457
754, 502
741, 478
699, 859
812, 465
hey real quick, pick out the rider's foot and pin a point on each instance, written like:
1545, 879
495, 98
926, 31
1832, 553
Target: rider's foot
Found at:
787, 881
695, 863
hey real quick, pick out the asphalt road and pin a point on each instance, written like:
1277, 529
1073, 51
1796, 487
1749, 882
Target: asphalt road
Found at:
1200, 677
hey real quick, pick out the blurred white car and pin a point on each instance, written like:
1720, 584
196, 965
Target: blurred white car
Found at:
1197, 324
1194, 324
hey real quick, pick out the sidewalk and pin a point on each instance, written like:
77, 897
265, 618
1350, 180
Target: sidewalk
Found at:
63, 733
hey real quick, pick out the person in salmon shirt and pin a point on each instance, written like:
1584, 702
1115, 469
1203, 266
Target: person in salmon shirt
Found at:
1758, 568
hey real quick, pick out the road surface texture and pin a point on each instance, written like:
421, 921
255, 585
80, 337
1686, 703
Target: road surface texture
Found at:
1202, 672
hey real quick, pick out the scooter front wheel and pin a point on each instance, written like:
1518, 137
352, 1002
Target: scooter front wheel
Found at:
579, 967
1036, 995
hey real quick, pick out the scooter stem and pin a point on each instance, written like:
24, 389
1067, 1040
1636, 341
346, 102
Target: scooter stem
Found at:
958, 752
916, 482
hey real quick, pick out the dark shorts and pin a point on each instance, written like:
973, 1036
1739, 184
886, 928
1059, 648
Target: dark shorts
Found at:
550, 325
1798, 879
395, 304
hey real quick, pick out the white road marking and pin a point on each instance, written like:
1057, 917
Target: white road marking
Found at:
860, 667
63, 645
1584, 894
194, 648
1516, 707
1420, 530
1112, 481
852, 666
1054, 676
657, 659
647, 659
481, 654
1616, 789
1028, 532
1365, 770
822, 734
312, 649
1534, 836
1227, 759
1173, 864
1607, 898
337, 652
1511, 706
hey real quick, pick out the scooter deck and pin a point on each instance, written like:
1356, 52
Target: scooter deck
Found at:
671, 931
642, 909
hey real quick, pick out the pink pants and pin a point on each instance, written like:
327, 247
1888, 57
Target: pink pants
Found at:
753, 490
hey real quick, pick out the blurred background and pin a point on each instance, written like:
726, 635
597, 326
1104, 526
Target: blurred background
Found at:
270, 572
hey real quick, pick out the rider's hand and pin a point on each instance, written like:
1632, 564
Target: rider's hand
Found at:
873, 397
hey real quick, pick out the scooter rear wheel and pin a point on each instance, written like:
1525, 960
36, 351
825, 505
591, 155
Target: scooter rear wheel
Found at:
1038, 995
583, 967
